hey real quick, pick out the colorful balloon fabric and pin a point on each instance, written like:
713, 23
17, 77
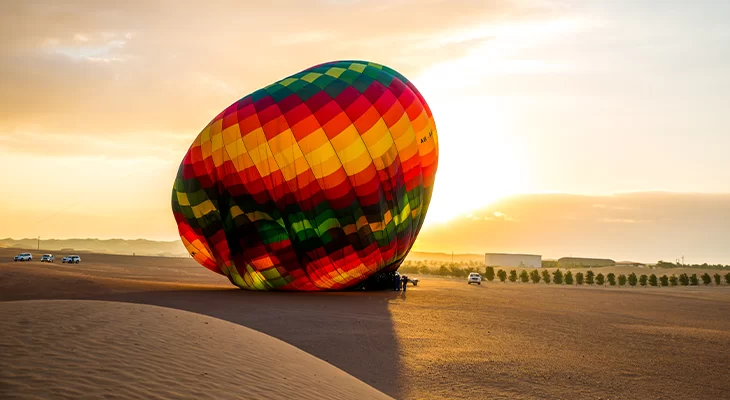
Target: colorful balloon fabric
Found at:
316, 182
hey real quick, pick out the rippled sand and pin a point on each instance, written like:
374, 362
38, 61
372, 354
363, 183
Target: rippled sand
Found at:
442, 339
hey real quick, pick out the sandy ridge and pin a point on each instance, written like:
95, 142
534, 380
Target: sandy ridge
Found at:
101, 349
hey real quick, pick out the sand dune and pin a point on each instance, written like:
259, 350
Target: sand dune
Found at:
94, 349
442, 339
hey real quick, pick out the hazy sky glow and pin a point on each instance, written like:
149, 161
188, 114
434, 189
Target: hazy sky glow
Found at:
101, 99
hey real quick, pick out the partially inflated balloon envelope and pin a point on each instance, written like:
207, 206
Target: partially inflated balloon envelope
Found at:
316, 182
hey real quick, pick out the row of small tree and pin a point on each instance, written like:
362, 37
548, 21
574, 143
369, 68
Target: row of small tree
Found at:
462, 269
589, 278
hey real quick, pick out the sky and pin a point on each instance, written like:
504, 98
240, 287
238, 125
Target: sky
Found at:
101, 99
641, 226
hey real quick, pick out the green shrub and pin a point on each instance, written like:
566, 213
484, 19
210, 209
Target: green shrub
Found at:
568, 278
706, 279
622, 280
534, 276
727, 278
408, 268
718, 280
589, 277
458, 272
673, 280
611, 278
642, 280
693, 281
513, 276
558, 277
489, 274
652, 280
683, 279
546, 276
524, 277
579, 278
600, 279
502, 275
632, 279
664, 280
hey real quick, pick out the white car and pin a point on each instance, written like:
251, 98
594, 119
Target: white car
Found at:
71, 260
474, 277
48, 258
23, 257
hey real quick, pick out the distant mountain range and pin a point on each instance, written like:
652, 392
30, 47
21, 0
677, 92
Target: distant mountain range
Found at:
643, 226
175, 248
140, 247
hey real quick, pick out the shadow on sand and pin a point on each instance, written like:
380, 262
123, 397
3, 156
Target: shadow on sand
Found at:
351, 330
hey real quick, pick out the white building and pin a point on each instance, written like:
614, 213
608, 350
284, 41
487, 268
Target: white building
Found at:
512, 260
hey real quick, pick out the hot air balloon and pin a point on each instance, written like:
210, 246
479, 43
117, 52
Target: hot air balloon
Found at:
319, 181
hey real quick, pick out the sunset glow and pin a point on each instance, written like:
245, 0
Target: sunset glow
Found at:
529, 97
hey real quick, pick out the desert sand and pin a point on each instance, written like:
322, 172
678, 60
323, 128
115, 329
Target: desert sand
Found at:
441, 339
99, 349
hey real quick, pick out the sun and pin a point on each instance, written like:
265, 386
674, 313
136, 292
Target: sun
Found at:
479, 160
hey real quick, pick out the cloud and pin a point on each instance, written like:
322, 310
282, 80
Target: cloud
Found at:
113, 68
618, 220
610, 207
645, 226
94, 51
158, 146
81, 38
489, 216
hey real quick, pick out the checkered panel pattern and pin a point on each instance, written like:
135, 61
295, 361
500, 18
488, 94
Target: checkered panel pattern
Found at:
315, 182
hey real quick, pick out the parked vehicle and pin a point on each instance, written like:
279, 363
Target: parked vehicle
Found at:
413, 281
48, 258
23, 257
474, 277
71, 260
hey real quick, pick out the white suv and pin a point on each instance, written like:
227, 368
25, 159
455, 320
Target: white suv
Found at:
23, 257
474, 277
48, 258
71, 260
